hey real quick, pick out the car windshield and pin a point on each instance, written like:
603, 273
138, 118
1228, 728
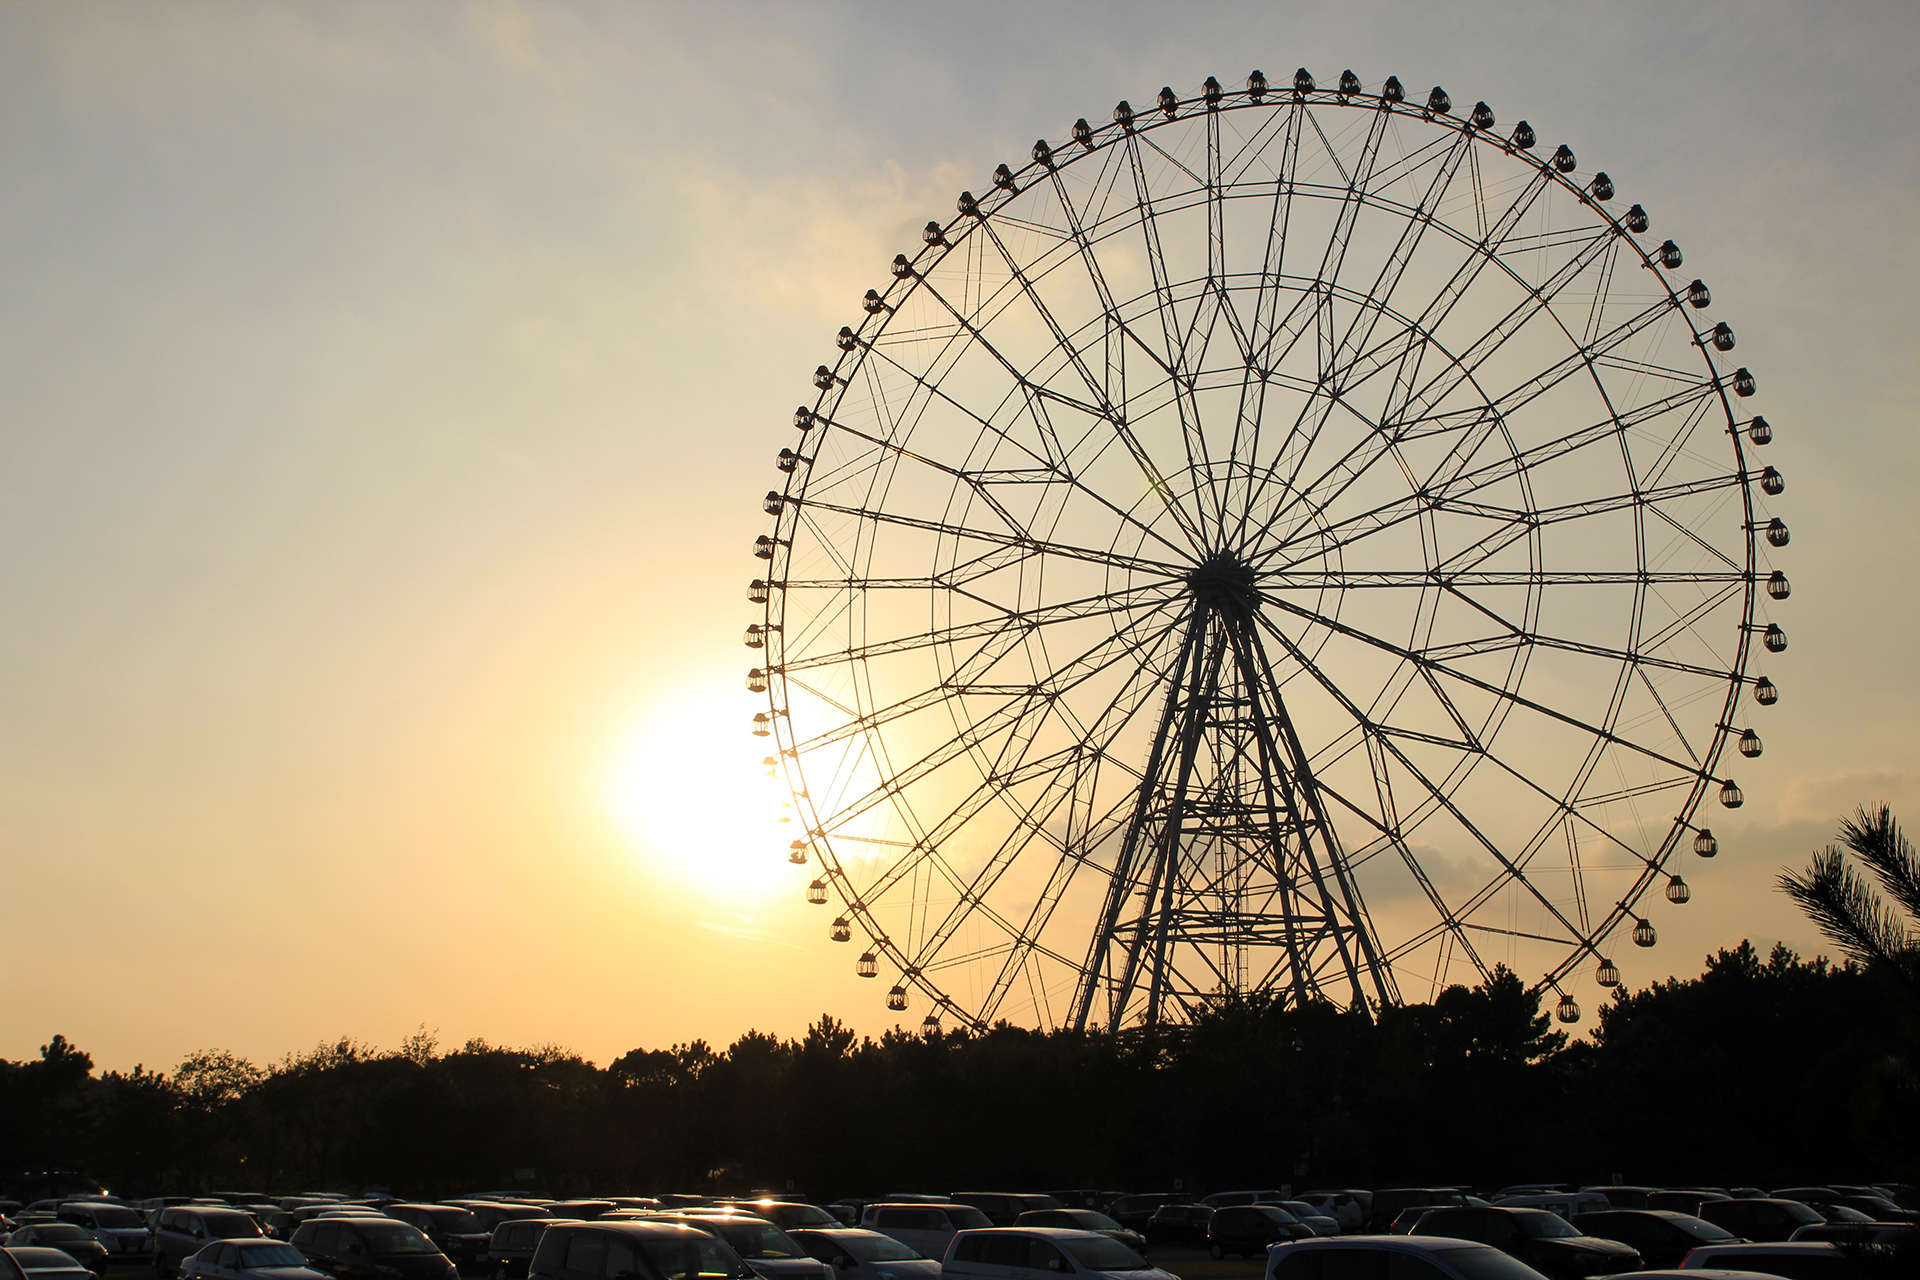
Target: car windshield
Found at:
1136, 1204
693, 1257
61, 1231
1088, 1220
455, 1220
1700, 1229
1478, 1262
874, 1248
805, 1215
1274, 1214
384, 1238
118, 1218
1800, 1213
1546, 1226
752, 1238
1105, 1255
271, 1255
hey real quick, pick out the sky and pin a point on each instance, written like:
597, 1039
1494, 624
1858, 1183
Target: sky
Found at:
386, 393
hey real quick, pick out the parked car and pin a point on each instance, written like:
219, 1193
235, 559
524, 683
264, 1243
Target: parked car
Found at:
491, 1213
1134, 1212
1879, 1208
1178, 1224
1688, 1202
76, 1242
1086, 1199
1623, 1197
1322, 1225
47, 1264
1565, 1204
585, 1210
1002, 1207
1662, 1236
1390, 1204
1221, 1199
353, 1247
787, 1215
648, 1249
771, 1253
1804, 1260
1393, 1258
1083, 1220
1856, 1233
1761, 1220
1247, 1229
1544, 1241
118, 1227
864, 1255
1013, 1253
454, 1231
925, 1228
1348, 1208
513, 1243
249, 1260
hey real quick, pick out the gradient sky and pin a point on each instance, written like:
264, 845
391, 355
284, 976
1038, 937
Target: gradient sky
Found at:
386, 391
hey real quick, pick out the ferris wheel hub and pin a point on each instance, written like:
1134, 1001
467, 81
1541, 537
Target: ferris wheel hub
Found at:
1224, 581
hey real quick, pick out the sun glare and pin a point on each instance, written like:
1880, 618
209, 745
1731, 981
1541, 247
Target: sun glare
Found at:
687, 788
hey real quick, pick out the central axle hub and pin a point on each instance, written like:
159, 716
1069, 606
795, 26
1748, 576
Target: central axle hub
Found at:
1224, 581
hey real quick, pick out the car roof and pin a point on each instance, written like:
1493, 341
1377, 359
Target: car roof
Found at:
1404, 1244
1757, 1246
1052, 1233
655, 1227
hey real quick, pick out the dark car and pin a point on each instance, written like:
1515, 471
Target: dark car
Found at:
118, 1227
1763, 1221
1684, 1201
76, 1242
1083, 1220
1134, 1212
1662, 1236
491, 1213
1879, 1208
644, 1250
47, 1264
768, 1251
789, 1215
585, 1210
1003, 1207
354, 1247
513, 1243
1177, 1224
455, 1231
1247, 1229
1391, 1203
1544, 1241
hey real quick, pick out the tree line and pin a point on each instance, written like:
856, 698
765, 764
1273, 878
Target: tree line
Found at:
1764, 1070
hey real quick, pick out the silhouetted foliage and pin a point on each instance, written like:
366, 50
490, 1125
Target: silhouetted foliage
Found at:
1759, 1071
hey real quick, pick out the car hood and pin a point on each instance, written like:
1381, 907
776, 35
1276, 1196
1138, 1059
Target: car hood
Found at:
907, 1267
415, 1264
283, 1273
1590, 1244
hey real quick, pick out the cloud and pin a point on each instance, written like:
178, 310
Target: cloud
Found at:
1833, 796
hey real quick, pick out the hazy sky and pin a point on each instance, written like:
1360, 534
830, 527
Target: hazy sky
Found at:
386, 391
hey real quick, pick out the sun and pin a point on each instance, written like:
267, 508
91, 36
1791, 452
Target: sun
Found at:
687, 787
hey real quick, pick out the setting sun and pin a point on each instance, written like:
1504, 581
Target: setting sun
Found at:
686, 786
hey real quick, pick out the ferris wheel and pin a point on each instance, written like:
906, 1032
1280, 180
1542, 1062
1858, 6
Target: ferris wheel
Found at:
1296, 540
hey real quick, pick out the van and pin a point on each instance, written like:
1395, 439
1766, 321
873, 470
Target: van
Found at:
925, 1228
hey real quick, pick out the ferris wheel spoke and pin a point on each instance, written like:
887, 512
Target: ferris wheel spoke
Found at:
1175, 362
1109, 604
1438, 795
1442, 669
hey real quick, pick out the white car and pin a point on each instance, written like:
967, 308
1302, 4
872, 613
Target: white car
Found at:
1041, 1253
249, 1260
1347, 1208
1768, 1259
924, 1228
864, 1255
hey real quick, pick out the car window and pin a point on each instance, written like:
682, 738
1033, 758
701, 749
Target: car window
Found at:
877, 1248
963, 1219
1000, 1251
1547, 1226
223, 1255
1104, 1254
586, 1251
621, 1259
9, 1269
325, 1239
384, 1238
267, 1255
1041, 1254
1485, 1264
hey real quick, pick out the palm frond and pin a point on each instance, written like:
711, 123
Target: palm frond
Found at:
1844, 907
1876, 839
